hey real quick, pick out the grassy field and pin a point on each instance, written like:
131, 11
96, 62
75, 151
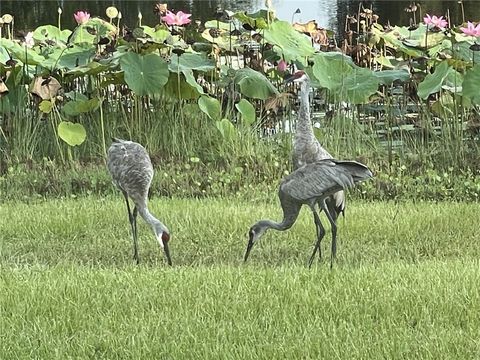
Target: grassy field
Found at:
405, 284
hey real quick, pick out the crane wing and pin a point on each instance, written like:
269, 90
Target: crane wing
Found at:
321, 178
130, 167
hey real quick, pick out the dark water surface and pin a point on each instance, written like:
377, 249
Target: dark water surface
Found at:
328, 13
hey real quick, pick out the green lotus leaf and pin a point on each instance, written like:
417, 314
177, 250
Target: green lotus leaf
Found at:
144, 74
453, 81
359, 85
92, 30
4, 57
433, 82
331, 69
470, 84
293, 45
247, 110
226, 128
72, 134
51, 32
22, 53
386, 77
45, 106
158, 35
92, 68
210, 106
190, 79
180, 88
77, 107
254, 84
191, 61
69, 58
462, 51
218, 25
256, 20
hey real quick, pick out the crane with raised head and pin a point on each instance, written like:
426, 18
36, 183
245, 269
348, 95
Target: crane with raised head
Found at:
308, 185
306, 148
132, 172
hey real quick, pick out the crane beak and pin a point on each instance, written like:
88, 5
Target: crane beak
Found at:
167, 252
249, 247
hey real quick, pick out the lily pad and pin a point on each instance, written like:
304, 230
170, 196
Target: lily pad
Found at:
144, 74
72, 134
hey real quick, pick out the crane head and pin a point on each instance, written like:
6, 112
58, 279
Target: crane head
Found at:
296, 77
255, 233
163, 237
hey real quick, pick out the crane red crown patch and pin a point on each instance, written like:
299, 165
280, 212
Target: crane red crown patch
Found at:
165, 236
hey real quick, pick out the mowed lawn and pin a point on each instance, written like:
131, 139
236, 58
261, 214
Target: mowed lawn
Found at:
405, 284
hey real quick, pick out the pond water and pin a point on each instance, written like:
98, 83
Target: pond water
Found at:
328, 13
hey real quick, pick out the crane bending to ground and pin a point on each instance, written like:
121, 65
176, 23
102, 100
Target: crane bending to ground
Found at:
310, 184
307, 149
132, 172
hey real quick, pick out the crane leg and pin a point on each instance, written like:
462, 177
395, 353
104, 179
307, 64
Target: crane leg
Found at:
320, 235
135, 242
133, 223
324, 207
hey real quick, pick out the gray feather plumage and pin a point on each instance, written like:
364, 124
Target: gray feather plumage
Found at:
308, 185
306, 148
132, 172
322, 178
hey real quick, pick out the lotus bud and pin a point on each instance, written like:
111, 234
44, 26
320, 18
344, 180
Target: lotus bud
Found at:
119, 15
59, 10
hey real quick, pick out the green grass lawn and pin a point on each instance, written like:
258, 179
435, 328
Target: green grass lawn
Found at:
405, 284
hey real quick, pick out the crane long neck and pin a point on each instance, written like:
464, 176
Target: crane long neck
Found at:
147, 216
289, 218
304, 125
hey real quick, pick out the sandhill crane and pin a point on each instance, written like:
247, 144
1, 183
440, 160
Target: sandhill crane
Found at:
132, 172
306, 148
310, 184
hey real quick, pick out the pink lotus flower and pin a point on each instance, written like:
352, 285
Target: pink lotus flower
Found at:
282, 66
81, 17
434, 21
471, 29
180, 18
